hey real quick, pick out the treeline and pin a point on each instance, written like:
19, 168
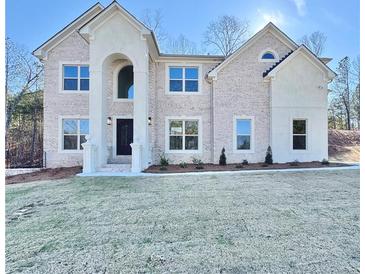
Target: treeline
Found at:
24, 142
24, 108
344, 98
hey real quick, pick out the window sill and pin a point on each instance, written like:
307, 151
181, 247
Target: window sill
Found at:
121, 100
75, 91
243, 151
78, 151
269, 60
173, 93
183, 151
299, 150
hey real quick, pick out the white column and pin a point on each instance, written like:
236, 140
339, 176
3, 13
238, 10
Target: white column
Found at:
140, 146
89, 154
97, 114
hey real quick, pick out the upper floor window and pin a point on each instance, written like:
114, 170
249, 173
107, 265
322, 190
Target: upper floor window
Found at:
125, 83
268, 56
76, 77
74, 133
300, 134
183, 79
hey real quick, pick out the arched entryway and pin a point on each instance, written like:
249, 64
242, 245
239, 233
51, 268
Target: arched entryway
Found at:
125, 83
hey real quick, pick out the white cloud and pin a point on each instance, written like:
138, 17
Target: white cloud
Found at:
301, 6
264, 17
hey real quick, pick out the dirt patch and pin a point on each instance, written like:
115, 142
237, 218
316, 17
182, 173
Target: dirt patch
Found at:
344, 145
44, 174
235, 167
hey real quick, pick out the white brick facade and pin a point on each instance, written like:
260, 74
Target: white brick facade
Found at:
228, 89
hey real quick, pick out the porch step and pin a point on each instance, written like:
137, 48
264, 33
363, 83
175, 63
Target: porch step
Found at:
116, 168
125, 159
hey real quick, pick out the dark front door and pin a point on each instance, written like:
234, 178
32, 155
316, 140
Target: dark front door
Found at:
124, 136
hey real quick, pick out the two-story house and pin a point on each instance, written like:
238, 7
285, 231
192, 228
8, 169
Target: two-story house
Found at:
107, 83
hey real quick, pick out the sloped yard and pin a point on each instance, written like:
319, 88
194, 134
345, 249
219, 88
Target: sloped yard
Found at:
272, 222
344, 145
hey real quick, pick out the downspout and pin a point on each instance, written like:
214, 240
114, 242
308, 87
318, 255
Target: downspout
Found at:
270, 112
211, 82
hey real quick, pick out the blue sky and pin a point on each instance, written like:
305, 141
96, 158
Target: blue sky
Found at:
31, 22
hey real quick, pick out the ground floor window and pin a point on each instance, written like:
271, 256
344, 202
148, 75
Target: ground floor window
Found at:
74, 132
243, 134
299, 134
183, 134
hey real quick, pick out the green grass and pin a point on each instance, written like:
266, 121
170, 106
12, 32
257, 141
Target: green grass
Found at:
272, 222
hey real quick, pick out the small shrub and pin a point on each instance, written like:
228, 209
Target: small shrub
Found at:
325, 162
264, 165
294, 163
268, 157
198, 163
239, 166
223, 158
163, 160
163, 168
245, 162
183, 165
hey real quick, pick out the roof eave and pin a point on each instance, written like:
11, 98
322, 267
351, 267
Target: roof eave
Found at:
41, 52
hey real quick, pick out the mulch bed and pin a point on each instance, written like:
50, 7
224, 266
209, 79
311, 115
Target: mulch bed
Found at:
44, 174
236, 167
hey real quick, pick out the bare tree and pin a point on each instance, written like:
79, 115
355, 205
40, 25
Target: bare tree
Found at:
23, 74
153, 19
316, 42
355, 98
342, 88
181, 45
226, 34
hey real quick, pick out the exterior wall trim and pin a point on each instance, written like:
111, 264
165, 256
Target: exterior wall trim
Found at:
114, 125
183, 64
200, 135
60, 132
252, 138
115, 82
307, 142
259, 58
60, 77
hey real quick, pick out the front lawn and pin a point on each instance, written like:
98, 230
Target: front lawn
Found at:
272, 222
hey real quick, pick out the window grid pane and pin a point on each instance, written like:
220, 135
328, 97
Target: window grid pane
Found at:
74, 133
243, 134
191, 73
76, 77
300, 134
183, 134
183, 79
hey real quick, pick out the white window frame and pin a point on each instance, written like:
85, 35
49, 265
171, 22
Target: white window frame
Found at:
268, 60
61, 78
292, 135
115, 82
183, 150
60, 133
183, 66
252, 138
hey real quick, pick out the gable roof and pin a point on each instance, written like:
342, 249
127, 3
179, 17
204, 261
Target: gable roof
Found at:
108, 11
309, 54
42, 50
270, 27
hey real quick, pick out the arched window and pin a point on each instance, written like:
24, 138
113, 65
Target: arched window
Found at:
268, 55
125, 83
